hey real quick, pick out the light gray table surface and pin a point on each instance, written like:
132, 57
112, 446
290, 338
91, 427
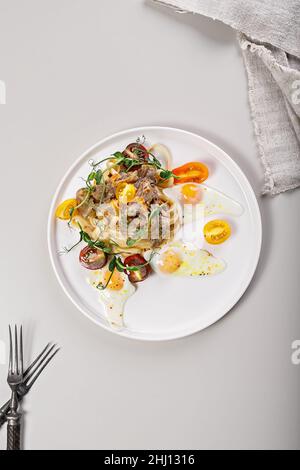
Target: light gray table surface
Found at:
77, 71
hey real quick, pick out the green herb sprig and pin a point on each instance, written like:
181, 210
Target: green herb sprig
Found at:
84, 237
122, 159
117, 264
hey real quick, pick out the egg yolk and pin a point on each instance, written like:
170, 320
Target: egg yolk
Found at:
116, 282
217, 231
169, 262
191, 194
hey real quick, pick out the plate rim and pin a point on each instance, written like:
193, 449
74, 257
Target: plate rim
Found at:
238, 296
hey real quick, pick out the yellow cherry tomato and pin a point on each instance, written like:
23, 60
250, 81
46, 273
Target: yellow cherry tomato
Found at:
191, 193
125, 192
217, 231
63, 211
116, 282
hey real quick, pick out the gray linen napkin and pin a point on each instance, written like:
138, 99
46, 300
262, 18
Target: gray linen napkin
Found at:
269, 35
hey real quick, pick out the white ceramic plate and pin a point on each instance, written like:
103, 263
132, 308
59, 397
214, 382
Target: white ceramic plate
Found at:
164, 309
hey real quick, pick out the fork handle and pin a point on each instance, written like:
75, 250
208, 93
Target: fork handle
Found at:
14, 431
3, 413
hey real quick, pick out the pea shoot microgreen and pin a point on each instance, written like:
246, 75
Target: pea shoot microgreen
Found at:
84, 237
129, 162
115, 262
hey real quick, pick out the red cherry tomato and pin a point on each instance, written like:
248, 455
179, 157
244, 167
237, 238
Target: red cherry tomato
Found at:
135, 150
142, 273
91, 258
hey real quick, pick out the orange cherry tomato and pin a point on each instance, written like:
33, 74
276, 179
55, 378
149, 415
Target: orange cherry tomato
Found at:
193, 172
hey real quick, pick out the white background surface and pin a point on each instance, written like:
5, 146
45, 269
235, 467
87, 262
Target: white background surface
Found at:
79, 70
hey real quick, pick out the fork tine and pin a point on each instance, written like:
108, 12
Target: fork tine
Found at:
39, 363
41, 369
36, 360
10, 352
21, 351
16, 364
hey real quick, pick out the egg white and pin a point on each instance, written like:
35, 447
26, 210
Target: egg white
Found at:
194, 261
113, 301
214, 201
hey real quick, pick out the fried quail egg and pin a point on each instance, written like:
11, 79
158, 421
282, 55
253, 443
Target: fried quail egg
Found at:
215, 202
185, 259
114, 297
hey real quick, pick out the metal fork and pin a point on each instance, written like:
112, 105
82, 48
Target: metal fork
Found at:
30, 377
14, 380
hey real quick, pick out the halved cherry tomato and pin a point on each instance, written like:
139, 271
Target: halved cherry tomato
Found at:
92, 258
64, 210
135, 150
193, 172
217, 231
125, 192
142, 273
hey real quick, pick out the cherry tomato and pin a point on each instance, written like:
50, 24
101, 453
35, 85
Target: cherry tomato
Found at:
217, 231
92, 258
135, 150
125, 191
193, 172
63, 211
142, 273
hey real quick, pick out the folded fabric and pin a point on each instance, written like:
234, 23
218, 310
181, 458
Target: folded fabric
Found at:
269, 35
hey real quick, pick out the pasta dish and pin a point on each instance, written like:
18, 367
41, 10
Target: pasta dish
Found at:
136, 215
